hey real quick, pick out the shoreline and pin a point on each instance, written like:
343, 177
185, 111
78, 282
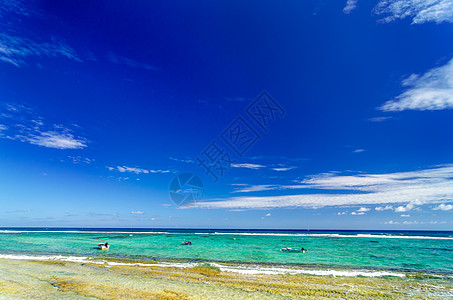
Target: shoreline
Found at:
226, 266
82, 278
232, 265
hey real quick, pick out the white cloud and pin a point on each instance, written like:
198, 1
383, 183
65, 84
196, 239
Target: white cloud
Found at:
283, 169
248, 166
430, 91
406, 208
265, 187
391, 222
186, 160
137, 212
26, 126
363, 209
57, 140
428, 186
412, 222
350, 6
80, 159
382, 208
443, 207
420, 11
268, 215
159, 171
132, 170
405, 216
421, 222
379, 119
357, 213
14, 50
358, 150
125, 169
279, 168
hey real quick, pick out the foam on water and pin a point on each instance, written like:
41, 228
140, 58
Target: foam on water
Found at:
241, 269
294, 271
336, 235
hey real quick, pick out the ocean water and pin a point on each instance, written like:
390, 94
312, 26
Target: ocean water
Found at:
355, 253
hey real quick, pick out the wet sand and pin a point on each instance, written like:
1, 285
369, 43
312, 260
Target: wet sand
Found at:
26, 279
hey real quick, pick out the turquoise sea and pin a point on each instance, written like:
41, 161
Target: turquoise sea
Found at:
392, 251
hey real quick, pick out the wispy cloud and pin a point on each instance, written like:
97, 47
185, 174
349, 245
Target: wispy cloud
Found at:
253, 166
248, 166
15, 47
58, 140
350, 6
14, 50
379, 119
420, 11
412, 222
391, 222
430, 91
26, 126
96, 214
184, 160
80, 160
277, 158
53, 139
137, 212
125, 169
412, 188
255, 188
130, 62
18, 211
283, 169
18, 7
358, 150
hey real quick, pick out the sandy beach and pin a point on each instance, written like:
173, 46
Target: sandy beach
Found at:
127, 279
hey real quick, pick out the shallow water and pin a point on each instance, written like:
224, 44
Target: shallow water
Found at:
400, 251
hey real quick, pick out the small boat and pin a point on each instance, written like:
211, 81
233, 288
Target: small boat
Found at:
187, 243
288, 249
103, 246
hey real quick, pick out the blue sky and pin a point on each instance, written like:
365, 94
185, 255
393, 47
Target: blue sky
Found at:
103, 103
